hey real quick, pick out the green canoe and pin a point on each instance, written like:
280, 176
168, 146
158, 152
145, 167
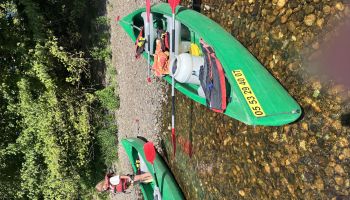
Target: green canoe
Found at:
169, 189
255, 96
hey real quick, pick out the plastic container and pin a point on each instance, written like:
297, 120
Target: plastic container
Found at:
187, 68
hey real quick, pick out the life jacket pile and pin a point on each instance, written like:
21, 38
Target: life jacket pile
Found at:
212, 79
161, 56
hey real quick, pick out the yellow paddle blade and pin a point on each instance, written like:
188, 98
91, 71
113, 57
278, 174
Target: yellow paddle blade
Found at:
194, 50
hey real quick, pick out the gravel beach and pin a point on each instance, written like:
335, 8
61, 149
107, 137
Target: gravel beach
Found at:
140, 102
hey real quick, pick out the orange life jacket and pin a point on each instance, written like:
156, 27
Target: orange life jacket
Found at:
161, 56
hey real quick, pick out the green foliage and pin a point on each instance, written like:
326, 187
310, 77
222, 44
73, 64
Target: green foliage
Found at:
108, 98
55, 128
102, 51
51, 136
75, 63
106, 138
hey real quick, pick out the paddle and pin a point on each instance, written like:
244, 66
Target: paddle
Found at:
173, 4
148, 12
117, 19
150, 154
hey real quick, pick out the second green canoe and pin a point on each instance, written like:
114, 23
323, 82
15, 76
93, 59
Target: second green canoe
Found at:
168, 186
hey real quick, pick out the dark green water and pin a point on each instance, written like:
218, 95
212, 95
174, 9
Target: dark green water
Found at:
220, 158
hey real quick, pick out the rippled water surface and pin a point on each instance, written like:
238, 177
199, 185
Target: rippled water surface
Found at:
220, 158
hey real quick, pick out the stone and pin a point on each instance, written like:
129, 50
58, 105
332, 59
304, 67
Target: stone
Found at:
326, 9
284, 19
339, 180
276, 193
343, 142
339, 169
267, 168
227, 140
309, 20
302, 145
241, 192
305, 126
309, 9
271, 19
320, 22
276, 169
281, 3
339, 6
291, 26
319, 184
346, 152
293, 4
316, 45
287, 162
316, 85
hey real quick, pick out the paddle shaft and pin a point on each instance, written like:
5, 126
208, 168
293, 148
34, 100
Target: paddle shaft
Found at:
149, 55
173, 136
155, 175
132, 25
148, 10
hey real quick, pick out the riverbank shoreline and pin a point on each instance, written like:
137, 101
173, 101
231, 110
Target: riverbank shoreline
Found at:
140, 101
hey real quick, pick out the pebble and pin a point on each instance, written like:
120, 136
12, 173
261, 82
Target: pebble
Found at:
309, 20
339, 169
276, 193
284, 19
326, 9
343, 142
309, 9
241, 192
316, 45
274, 135
291, 26
271, 19
346, 153
339, 6
293, 4
287, 162
305, 126
302, 145
281, 3
267, 168
339, 180
320, 22
319, 184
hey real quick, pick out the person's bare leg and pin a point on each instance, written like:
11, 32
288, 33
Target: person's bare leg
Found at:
143, 177
147, 176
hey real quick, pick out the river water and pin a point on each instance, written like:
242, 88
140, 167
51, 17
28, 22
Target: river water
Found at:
221, 158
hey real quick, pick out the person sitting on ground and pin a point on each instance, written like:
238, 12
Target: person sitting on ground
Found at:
120, 183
